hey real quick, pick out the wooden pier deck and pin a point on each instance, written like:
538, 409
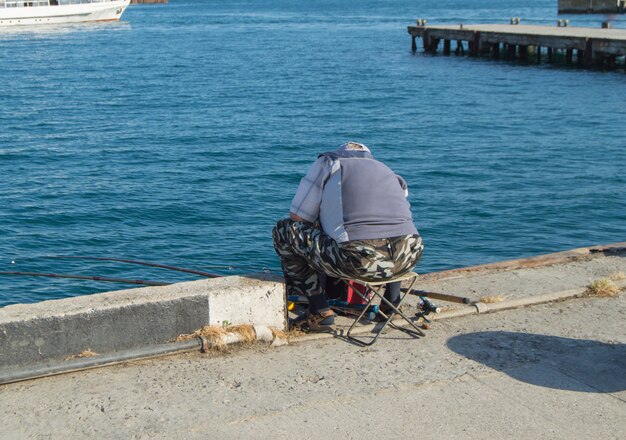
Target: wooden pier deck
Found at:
593, 46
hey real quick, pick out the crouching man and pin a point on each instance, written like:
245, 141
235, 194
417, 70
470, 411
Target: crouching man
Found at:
349, 218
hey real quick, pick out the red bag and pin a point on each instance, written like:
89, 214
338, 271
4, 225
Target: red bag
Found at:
340, 290
354, 298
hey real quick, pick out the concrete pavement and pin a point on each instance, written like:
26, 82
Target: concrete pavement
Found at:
553, 371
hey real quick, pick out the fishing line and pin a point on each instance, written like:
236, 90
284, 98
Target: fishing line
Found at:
233, 267
145, 263
142, 263
85, 277
122, 260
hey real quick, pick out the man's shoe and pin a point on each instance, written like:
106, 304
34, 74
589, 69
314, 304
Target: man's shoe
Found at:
321, 322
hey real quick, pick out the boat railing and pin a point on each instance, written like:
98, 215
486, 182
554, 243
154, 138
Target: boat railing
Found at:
78, 2
23, 3
32, 3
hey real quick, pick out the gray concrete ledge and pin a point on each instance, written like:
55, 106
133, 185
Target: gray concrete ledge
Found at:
134, 318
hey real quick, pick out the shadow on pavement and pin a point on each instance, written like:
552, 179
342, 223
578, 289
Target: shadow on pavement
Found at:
548, 361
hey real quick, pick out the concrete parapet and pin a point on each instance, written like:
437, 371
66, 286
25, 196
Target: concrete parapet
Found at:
127, 319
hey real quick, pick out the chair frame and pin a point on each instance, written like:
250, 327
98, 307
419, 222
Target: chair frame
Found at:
376, 291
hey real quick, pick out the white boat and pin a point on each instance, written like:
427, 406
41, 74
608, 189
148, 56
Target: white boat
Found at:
28, 12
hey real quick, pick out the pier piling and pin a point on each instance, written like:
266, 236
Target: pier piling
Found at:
588, 52
495, 50
460, 49
523, 53
511, 51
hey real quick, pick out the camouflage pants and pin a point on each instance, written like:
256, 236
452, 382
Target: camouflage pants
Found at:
306, 252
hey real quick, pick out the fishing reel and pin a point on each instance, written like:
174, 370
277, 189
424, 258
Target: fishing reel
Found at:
425, 308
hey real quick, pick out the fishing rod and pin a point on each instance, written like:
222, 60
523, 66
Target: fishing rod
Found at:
143, 263
441, 296
84, 277
232, 267
116, 280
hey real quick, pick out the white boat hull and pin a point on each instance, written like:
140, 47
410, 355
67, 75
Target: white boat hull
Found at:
105, 11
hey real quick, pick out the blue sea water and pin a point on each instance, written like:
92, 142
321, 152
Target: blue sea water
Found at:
179, 135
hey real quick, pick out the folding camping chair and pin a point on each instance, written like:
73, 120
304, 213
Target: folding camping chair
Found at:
374, 290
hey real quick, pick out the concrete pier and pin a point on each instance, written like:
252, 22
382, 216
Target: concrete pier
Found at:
544, 371
591, 46
591, 6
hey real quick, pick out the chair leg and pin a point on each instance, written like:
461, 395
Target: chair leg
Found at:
367, 305
394, 309
397, 310
375, 293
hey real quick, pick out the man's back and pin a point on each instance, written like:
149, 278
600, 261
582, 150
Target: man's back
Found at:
364, 199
